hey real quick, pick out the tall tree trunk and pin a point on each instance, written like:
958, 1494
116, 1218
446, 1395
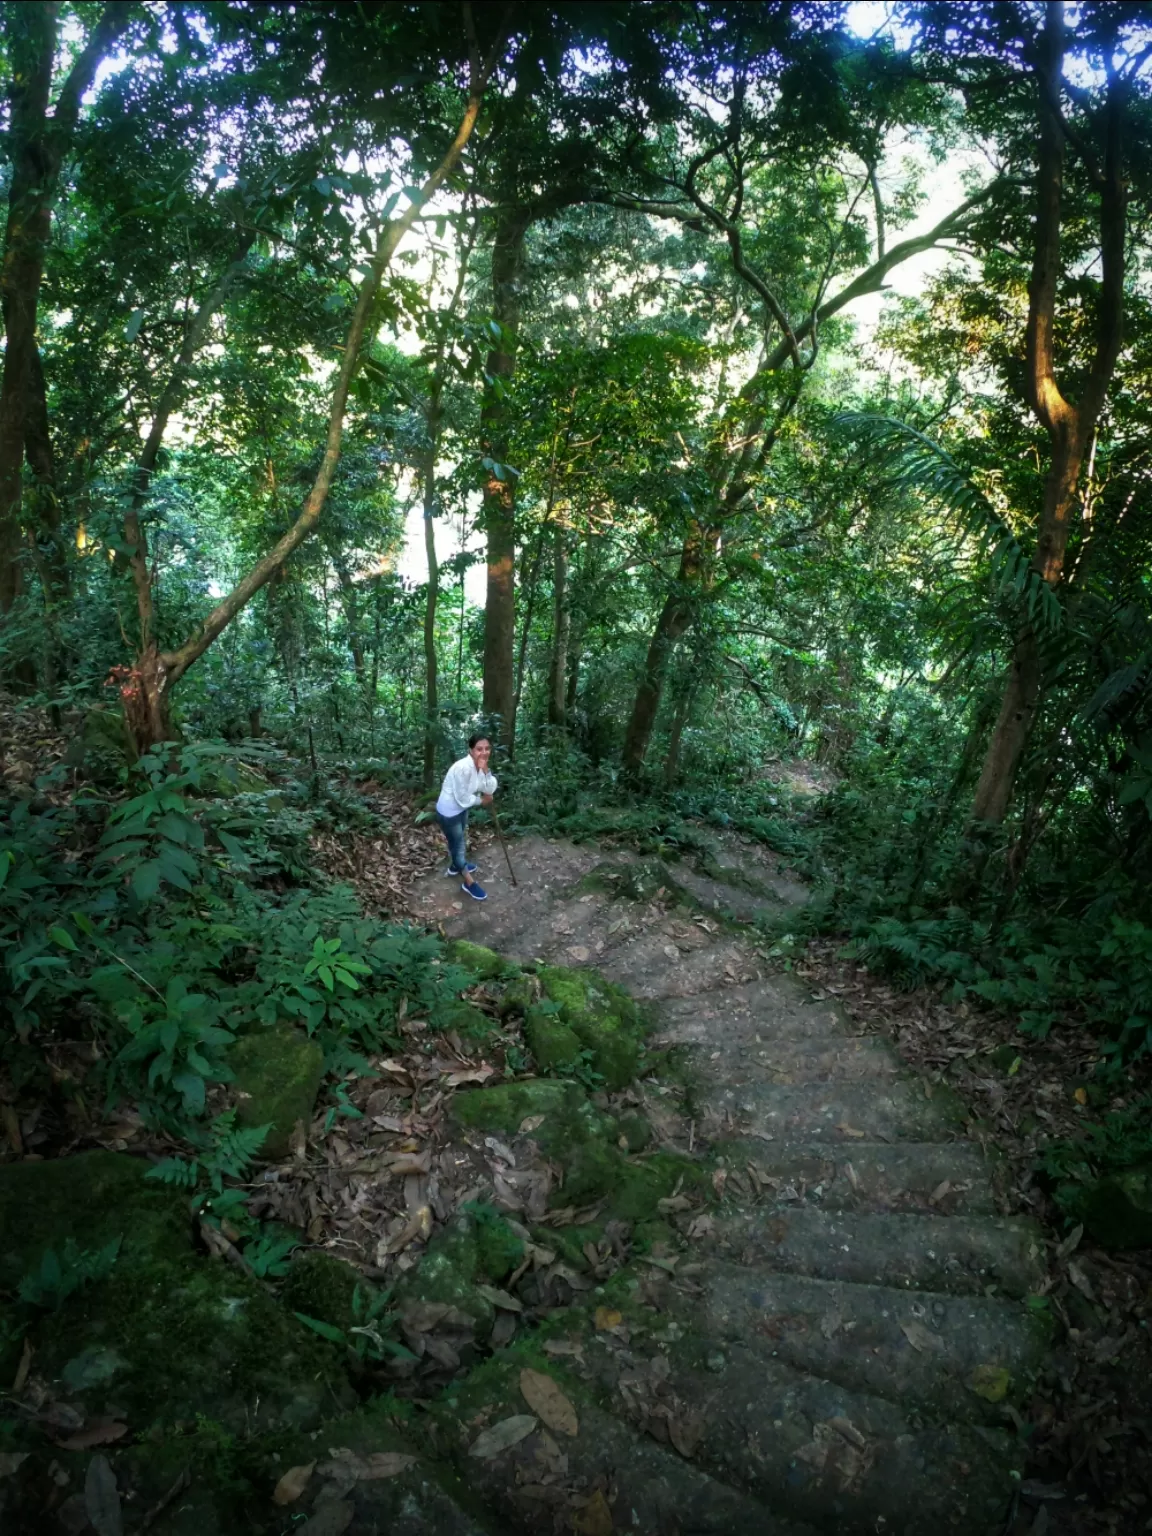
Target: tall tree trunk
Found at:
1069, 427
349, 601
37, 143
499, 486
561, 628
160, 672
431, 680
676, 617
676, 735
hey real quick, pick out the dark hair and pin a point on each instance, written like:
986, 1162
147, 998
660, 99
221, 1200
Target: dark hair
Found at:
480, 736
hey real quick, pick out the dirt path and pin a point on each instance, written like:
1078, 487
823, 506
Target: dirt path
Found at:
841, 1344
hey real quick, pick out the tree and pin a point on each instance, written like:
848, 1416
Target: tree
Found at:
40, 135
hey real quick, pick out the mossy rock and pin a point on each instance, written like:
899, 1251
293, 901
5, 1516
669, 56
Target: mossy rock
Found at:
323, 1287
103, 746
498, 1249
567, 1119
518, 996
168, 1334
92, 1198
278, 1075
553, 1045
605, 1020
503, 1107
483, 962
449, 1272
464, 1017
1117, 1210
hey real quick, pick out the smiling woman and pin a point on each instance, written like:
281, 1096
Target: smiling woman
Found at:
467, 784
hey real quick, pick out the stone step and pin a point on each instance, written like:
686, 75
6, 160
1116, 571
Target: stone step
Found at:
777, 1007
844, 1461
704, 964
811, 1060
873, 1175
409, 1505
954, 1356
959, 1255
609, 1477
838, 1112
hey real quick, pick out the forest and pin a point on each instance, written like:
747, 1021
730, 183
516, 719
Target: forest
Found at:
741, 415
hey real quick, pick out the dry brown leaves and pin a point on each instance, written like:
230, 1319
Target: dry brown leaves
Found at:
382, 867
1090, 1422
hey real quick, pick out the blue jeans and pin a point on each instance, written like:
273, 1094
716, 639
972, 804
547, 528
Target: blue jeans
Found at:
455, 829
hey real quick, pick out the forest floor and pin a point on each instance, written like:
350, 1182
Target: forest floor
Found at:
1088, 1423
842, 1129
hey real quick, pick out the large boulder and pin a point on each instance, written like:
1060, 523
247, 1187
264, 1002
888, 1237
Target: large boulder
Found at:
1117, 1210
278, 1075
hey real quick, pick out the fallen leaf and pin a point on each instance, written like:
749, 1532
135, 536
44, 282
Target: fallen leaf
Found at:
23, 1368
293, 1483
850, 1130
299, 1141
530, 1123
939, 1192
346, 1465
990, 1382
545, 1399
419, 1226
12, 1129
686, 1433
671, 951
500, 1298
848, 1431
329, 1520
1081, 1096
604, 1319
1071, 1242
595, 1519
1080, 1280
922, 1338
102, 1498
502, 1436
475, 1075
95, 1432
10, 1462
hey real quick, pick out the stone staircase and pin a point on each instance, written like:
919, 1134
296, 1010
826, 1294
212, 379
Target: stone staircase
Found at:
839, 1345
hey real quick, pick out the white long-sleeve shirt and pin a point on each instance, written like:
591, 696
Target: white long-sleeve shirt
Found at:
463, 786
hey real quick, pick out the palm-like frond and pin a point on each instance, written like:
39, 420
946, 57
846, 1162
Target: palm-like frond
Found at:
916, 463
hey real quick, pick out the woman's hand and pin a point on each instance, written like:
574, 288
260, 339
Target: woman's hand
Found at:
485, 799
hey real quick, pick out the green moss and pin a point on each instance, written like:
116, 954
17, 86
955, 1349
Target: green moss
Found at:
569, 1242
553, 1044
196, 1338
503, 1107
450, 1271
466, 1018
1118, 1210
278, 1075
479, 959
635, 1130
518, 996
323, 1287
93, 1198
498, 1249
603, 1017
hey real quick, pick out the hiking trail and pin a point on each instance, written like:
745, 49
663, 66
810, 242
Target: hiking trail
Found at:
838, 1344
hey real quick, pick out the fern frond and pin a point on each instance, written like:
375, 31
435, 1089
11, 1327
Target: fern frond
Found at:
918, 464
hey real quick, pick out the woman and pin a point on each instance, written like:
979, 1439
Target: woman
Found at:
467, 783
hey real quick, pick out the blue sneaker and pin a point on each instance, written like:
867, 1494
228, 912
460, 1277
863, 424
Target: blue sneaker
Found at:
477, 892
451, 870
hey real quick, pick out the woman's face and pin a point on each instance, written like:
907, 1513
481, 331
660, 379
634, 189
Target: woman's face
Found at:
480, 754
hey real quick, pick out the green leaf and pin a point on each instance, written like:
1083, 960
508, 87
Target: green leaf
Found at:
325, 1330
62, 937
146, 880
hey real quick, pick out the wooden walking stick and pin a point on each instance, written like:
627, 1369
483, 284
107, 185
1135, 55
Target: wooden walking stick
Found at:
503, 844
